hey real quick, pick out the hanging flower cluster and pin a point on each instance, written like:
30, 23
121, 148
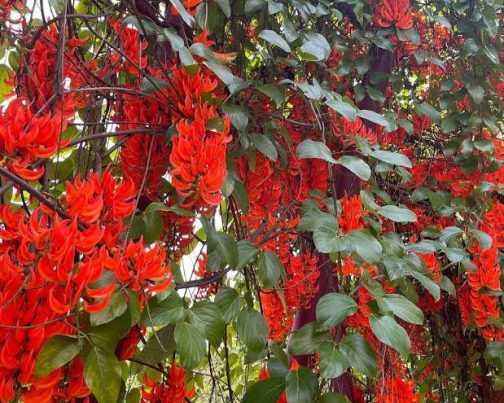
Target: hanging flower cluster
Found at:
172, 390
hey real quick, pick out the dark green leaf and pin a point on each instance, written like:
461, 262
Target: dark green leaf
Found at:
275, 39
333, 362
397, 214
188, 19
247, 253
314, 149
207, 318
237, 115
266, 391
270, 268
316, 45
115, 308
389, 332
272, 91
355, 165
264, 145
57, 351
359, 354
159, 347
229, 302
307, 340
102, 374
252, 328
403, 308
392, 158
366, 245
170, 311
343, 108
373, 117
483, 238
301, 386
332, 397
333, 308
190, 344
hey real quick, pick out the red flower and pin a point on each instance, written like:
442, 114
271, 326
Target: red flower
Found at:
393, 12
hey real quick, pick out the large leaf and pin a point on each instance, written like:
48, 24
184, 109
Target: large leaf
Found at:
343, 108
373, 117
229, 302
252, 329
403, 308
359, 354
170, 311
397, 214
355, 165
392, 158
115, 308
316, 45
307, 340
333, 308
190, 344
265, 391
301, 386
366, 245
389, 332
264, 145
314, 149
102, 374
57, 351
275, 39
237, 115
270, 268
247, 253
333, 362
207, 318
328, 239
159, 347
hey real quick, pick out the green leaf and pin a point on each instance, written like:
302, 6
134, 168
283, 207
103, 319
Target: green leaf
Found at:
103, 375
115, 308
355, 165
476, 92
327, 239
343, 108
373, 117
225, 245
241, 196
169, 311
229, 302
316, 45
301, 386
314, 149
397, 214
264, 145
333, 308
408, 35
208, 319
253, 5
239, 118
483, 238
159, 347
247, 253
428, 284
332, 397
389, 332
252, 329
107, 335
152, 84
57, 351
275, 39
429, 111
5, 88
366, 245
307, 340
176, 41
221, 71
190, 344
333, 362
266, 391
270, 268
403, 308
225, 6
448, 233
188, 19
272, 91
392, 158
359, 354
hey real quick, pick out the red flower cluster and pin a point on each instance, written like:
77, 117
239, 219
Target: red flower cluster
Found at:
393, 13
48, 267
25, 138
172, 390
397, 390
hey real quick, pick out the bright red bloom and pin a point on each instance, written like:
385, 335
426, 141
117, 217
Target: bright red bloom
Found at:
172, 390
393, 12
